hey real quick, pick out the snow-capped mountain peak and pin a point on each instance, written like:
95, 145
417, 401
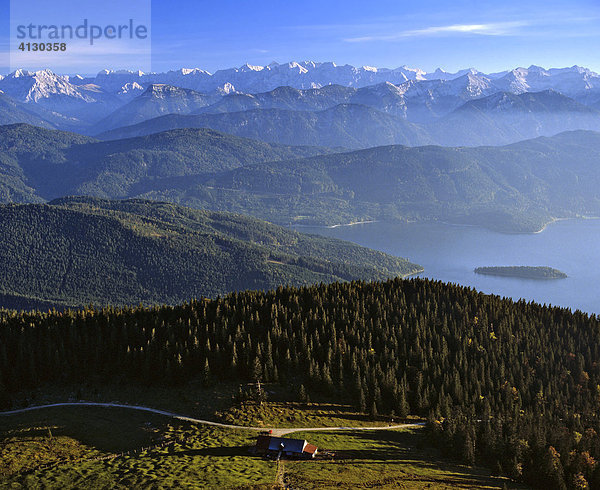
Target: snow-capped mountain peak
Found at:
32, 86
401, 87
226, 89
410, 73
247, 67
130, 90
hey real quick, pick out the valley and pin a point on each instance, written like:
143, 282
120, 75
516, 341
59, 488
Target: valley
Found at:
514, 188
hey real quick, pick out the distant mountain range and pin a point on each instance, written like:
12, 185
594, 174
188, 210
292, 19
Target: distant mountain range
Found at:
368, 117
439, 102
343, 126
504, 118
518, 187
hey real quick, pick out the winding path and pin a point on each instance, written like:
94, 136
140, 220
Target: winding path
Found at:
278, 432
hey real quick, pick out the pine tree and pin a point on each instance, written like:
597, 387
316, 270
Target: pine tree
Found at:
362, 401
373, 414
403, 408
206, 375
256, 370
302, 394
468, 451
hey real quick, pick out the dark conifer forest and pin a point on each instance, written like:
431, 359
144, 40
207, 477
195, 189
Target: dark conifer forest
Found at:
74, 252
512, 385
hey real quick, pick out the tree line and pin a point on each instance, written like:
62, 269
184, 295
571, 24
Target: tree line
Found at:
513, 385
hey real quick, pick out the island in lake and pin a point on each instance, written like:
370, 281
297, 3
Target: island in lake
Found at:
523, 272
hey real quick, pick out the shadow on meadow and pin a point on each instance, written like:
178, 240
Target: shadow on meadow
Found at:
399, 456
219, 451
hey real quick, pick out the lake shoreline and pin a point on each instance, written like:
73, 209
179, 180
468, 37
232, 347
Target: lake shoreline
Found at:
449, 252
412, 274
554, 220
448, 223
353, 223
340, 225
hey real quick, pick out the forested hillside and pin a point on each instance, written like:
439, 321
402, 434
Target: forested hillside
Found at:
511, 385
50, 164
345, 125
12, 112
518, 187
512, 188
78, 251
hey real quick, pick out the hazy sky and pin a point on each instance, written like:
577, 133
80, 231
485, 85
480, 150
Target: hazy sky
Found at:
490, 36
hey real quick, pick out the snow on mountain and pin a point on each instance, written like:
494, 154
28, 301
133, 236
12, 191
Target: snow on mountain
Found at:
112, 81
466, 87
429, 99
76, 80
226, 89
26, 86
193, 79
410, 93
440, 74
573, 82
81, 104
515, 81
410, 73
247, 67
254, 79
130, 90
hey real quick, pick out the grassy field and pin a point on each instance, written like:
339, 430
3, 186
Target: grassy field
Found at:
382, 459
295, 414
185, 455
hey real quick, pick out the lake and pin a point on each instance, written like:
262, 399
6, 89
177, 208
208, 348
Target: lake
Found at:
451, 252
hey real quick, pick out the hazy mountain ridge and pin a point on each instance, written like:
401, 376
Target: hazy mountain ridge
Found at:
518, 187
12, 112
513, 188
291, 116
157, 100
52, 164
344, 125
504, 118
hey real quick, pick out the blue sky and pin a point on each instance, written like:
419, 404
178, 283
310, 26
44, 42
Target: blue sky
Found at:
490, 36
